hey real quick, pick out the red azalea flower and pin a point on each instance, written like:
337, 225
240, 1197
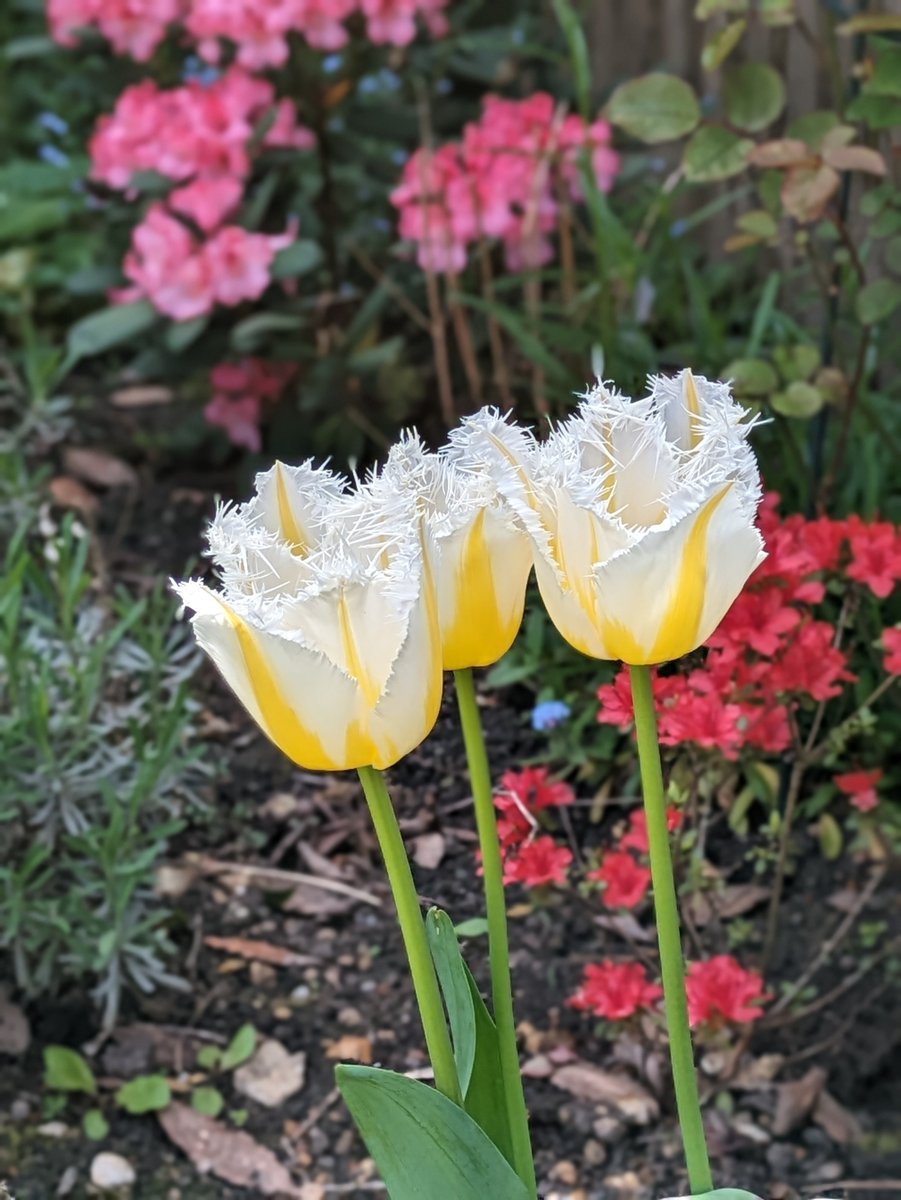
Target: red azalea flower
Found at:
861, 787
720, 989
615, 990
626, 881
534, 791
891, 643
538, 863
875, 555
636, 838
812, 664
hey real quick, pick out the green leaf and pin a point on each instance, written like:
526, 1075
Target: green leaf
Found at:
147, 1093
799, 400
531, 346
474, 927
95, 1125
752, 377
20, 222
711, 8
759, 223
474, 1034
830, 836
296, 259
247, 335
35, 46
870, 23
182, 334
721, 45
886, 77
713, 153
208, 1100
655, 108
423, 1144
755, 96
878, 300
796, 362
240, 1048
209, 1057
879, 112
109, 327
813, 127
66, 1071
893, 255
778, 12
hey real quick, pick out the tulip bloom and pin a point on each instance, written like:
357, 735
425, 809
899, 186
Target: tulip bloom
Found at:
642, 518
326, 628
480, 554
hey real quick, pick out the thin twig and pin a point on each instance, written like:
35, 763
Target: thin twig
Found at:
495, 337
396, 292
460, 319
276, 877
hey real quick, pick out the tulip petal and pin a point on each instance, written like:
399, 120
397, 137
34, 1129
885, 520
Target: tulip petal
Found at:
664, 597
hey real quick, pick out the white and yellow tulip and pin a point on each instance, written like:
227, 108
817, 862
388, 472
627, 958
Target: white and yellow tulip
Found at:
641, 515
480, 554
326, 628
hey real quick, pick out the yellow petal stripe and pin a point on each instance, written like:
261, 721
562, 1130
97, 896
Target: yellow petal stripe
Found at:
474, 636
352, 658
291, 530
281, 722
693, 404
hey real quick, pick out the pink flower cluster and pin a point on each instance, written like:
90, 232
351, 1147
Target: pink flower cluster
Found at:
199, 138
625, 880
508, 178
529, 859
259, 31
772, 652
240, 392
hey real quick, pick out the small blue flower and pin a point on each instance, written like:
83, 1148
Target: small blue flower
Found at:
548, 714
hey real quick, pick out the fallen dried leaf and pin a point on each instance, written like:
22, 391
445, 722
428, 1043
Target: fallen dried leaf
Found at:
428, 850
758, 1073
15, 1031
143, 396
350, 1046
626, 925
69, 493
841, 1125
806, 191
99, 467
172, 880
253, 948
230, 1154
795, 1100
311, 901
783, 152
272, 1074
627, 1095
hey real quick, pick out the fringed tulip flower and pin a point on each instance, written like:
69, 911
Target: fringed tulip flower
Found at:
326, 627
480, 553
642, 517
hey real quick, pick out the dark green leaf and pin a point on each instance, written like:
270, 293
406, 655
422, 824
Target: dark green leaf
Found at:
109, 327
878, 300
424, 1145
474, 927
655, 108
799, 400
182, 334
751, 377
66, 1071
714, 153
147, 1093
296, 259
879, 112
247, 335
755, 96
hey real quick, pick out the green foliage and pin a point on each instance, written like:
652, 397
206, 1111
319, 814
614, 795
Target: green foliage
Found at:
144, 1094
95, 1125
208, 1100
66, 1070
423, 1143
239, 1049
655, 108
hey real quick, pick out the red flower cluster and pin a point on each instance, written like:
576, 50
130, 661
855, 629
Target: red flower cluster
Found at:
861, 787
240, 392
259, 32
528, 859
625, 881
507, 179
771, 651
615, 990
721, 990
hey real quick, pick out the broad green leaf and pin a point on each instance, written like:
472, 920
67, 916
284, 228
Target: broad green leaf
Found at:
778, 12
796, 362
66, 1071
712, 8
474, 1034
752, 377
109, 327
147, 1093
209, 1057
296, 259
208, 1100
423, 1144
886, 77
22, 221
714, 153
878, 300
182, 334
813, 127
879, 112
870, 23
799, 400
755, 96
240, 1048
721, 45
95, 1125
35, 46
830, 837
758, 223
655, 108
247, 335
474, 927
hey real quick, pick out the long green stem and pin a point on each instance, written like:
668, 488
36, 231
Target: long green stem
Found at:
406, 901
668, 936
498, 945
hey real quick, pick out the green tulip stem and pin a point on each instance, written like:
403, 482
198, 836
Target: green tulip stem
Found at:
412, 925
498, 945
669, 938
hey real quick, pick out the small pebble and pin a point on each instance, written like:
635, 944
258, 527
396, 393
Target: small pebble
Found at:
112, 1171
593, 1153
